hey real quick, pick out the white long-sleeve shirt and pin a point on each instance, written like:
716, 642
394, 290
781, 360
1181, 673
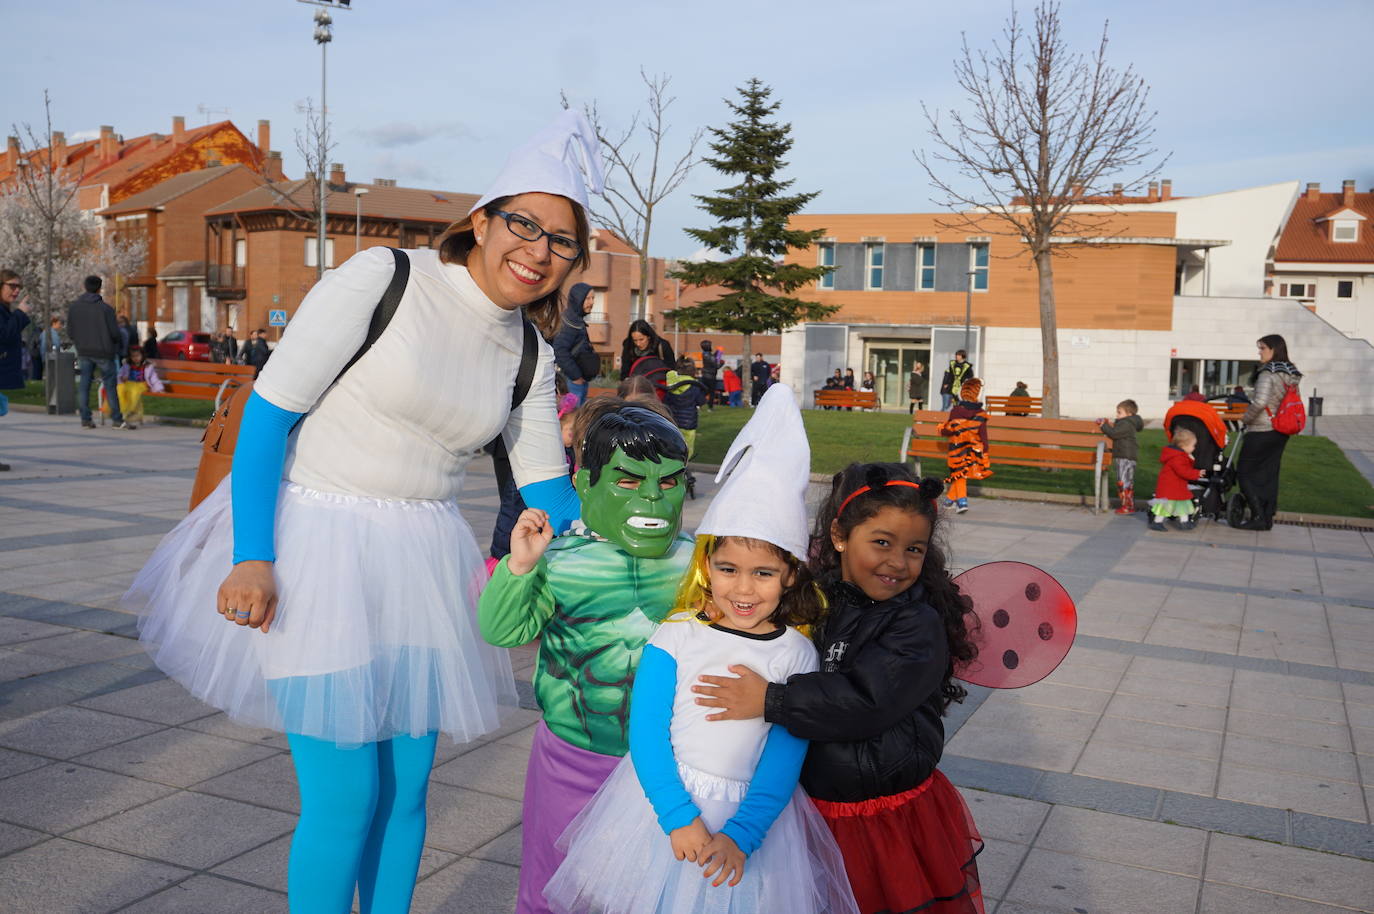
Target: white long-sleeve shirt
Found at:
406, 419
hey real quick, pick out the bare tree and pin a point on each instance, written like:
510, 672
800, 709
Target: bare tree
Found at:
636, 184
1045, 127
305, 199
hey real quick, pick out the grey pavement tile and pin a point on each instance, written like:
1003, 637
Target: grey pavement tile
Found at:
1098, 793
219, 724
1118, 626
1123, 839
1278, 683
1103, 660
1003, 817
1180, 671
63, 796
12, 763
164, 701
266, 865
1148, 768
1202, 744
1067, 697
1287, 790
14, 630
1331, 712
1066, 881
1000, 711
1264, 753
1174, 713
68, 731
23, 697
83, 647
494, 768
1289, 730
1229, 899
998, 777
1315, 651
177, 757
1085, 677
1355, 655
524, 739
1224, 816
189, 829
13, 838
504, 849
91, 679
21, 665
63, 877
467, 886
514, 721
998, 744
1321, 833
1223, 638
1178, 690
997, 863
210, 895
1309, 875
270, 782
461, 821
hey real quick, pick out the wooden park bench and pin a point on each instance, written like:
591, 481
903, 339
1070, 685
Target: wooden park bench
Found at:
1229, 412
863, 399
1027, 441
1013, 406
199, 380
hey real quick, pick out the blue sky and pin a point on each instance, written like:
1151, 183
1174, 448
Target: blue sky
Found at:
434, 94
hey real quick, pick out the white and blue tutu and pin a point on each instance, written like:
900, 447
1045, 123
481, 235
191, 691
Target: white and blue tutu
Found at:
619, 861
375, 634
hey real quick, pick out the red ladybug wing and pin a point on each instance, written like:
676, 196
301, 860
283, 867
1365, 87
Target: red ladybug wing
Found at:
1026, 624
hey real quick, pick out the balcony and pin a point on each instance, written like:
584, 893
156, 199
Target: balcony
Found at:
225, 281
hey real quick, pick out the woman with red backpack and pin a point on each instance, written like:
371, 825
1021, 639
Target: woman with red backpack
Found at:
1269, 421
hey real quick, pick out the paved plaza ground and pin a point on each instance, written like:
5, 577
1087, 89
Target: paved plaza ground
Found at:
1208, 745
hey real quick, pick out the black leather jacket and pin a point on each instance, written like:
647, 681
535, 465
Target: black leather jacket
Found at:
872, 713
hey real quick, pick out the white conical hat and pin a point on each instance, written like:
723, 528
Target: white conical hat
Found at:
562, 159
766, 472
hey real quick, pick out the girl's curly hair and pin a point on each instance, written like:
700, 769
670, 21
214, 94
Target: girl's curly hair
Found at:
940, 590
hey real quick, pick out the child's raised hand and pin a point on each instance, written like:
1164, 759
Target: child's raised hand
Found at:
528, 540
740, 695
689, 840
723, 854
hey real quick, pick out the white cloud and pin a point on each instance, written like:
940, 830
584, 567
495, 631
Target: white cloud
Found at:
410, 133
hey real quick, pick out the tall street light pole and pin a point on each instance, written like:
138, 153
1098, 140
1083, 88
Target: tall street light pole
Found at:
358, 218
968, 311
323, 35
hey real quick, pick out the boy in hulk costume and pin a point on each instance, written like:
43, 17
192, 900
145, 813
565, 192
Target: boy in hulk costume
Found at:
593, 597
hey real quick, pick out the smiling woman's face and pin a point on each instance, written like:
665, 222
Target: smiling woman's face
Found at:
512, 271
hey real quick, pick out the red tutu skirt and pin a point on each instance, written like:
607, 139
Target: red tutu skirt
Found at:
912, 851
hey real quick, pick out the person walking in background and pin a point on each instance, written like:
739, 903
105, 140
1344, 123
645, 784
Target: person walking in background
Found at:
14, 317
96, 336
915, 387
710, 367
1125, 450
256, 352
128, 336
959, 370
1261, 453
641, 342
759, 375
150, 350
572, 345
47, 342
231, 347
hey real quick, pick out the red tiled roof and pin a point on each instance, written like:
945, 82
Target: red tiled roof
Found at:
131, 156
1306, 240
380, 201
161, 194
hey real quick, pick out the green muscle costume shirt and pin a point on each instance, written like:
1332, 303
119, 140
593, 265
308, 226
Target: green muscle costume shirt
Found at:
593, 607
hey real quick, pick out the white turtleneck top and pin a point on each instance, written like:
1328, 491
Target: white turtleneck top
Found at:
409, 415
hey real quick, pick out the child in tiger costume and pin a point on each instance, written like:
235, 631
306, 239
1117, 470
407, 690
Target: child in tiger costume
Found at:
967, 430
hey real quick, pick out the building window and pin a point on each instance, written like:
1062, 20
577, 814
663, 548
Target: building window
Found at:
1297, 290
598, 312
978, 265
1345, 288
925, 263
825, 257
241, 252
1345, 230
875, 265
312, 247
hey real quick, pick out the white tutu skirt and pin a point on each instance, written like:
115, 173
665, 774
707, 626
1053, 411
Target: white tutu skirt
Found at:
375, 632
620, 862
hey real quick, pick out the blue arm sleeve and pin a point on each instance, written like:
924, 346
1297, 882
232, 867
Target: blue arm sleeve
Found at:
774, 782
258, 459
651, 747
557, 497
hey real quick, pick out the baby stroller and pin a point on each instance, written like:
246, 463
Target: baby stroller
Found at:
1214, 498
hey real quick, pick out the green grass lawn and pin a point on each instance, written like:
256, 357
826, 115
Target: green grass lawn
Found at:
1316, 477
175, 407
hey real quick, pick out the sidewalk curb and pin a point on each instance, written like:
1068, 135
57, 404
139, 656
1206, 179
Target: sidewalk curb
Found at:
1295, 518
147, 420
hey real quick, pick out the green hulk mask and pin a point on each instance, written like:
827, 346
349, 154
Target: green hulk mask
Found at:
594, 600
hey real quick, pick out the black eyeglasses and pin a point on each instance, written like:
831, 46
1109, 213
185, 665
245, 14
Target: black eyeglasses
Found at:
522, 227
14, 285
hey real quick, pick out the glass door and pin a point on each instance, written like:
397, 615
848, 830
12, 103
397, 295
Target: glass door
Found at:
891, 364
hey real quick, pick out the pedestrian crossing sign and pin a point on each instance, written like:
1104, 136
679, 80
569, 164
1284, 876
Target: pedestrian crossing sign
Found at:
276, 317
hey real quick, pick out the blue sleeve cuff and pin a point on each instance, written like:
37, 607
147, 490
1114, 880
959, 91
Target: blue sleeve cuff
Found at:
651, 746
773, 784
259, 456
557, 498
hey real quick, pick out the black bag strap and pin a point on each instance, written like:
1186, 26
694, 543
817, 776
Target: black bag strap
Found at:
529, 357
386, 308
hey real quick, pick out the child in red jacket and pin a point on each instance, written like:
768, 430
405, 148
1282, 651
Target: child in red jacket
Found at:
1173, 498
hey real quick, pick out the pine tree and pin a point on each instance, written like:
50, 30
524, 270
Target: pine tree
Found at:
752, 230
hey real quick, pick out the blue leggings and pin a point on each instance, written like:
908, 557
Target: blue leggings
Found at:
362, 824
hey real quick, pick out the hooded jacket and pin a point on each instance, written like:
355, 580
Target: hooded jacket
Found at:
12, 324
1123, 432
92, 327
1271, 380
873, 711
1175, 472
572, 346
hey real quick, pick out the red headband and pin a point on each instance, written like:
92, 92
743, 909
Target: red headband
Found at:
862, 489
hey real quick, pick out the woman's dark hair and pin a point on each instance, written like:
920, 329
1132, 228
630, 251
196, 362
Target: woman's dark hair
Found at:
644, 327
940, 590
1278, 345
459, 239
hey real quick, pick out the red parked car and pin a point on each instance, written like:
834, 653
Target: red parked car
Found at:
182, 344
